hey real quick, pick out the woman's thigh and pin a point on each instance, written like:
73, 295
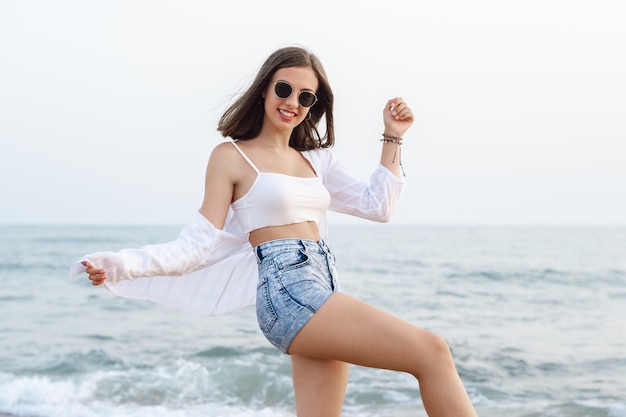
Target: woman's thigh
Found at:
350, 330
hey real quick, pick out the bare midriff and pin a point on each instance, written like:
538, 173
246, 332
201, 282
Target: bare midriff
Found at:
305, 230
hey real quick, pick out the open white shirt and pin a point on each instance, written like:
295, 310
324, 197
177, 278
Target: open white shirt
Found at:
211, 271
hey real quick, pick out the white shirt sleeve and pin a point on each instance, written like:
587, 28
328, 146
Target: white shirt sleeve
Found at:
375, 200
205, 271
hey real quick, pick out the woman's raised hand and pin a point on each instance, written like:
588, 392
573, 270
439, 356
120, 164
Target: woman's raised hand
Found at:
397, 117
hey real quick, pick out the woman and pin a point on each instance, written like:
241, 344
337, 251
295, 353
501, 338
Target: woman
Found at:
265, 200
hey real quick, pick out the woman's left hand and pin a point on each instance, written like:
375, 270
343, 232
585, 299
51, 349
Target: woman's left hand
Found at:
397, 117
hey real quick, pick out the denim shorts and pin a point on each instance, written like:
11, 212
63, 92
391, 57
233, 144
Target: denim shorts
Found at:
296, 277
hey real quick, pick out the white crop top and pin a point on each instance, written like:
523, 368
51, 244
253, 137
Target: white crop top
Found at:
279, 199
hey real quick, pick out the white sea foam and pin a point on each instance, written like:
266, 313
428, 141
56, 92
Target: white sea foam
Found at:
39, 396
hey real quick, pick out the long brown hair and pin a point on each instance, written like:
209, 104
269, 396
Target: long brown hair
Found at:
244, 118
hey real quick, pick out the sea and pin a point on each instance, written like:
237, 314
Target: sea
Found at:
535, 317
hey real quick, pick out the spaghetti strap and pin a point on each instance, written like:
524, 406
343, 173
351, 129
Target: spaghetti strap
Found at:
245, 157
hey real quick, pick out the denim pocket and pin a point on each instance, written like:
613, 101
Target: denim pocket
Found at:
289, 260
265, 312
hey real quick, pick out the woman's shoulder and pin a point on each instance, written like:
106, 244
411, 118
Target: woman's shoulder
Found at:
319, 152
224, 146
319, 155
224, 154
224, 149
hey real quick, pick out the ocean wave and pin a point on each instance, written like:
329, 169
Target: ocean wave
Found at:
108, 387
43, 396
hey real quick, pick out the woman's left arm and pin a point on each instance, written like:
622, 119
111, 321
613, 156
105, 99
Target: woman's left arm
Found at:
374, 200
377, 199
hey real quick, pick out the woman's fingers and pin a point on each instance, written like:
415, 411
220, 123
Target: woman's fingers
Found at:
397, 117
400, 110
97, 276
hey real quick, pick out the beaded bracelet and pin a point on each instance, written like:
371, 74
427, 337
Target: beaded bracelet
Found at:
397, 140
391, 139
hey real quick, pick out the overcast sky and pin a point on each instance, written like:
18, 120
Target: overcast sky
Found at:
108, 109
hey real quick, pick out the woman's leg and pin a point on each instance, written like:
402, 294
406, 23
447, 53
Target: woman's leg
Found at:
348, 330
319, 386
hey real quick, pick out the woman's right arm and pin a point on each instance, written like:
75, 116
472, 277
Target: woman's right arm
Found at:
219, 184
200, 243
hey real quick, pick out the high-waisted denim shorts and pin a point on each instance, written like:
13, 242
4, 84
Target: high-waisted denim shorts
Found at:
295, 278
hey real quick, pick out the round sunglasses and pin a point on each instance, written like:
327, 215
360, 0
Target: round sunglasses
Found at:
283, 90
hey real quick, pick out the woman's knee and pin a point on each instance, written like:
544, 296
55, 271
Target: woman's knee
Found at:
435, 356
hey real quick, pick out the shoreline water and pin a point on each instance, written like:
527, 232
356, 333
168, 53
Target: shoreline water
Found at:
534, 317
